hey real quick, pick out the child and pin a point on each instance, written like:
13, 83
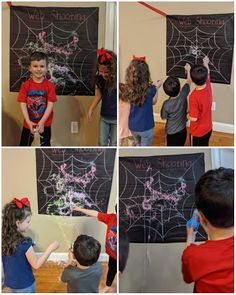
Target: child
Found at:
142, 95
111, 241
200, 102
18, 256
107, 92
124, 108
85, 276
211, 264
174, 109
36, 98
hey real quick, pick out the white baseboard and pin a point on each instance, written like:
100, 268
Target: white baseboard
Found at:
55, 257
217, 126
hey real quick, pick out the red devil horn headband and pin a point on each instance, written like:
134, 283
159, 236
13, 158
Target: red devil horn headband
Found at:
103, 54
22, 202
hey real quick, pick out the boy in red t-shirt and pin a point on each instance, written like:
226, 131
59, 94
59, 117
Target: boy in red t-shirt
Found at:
210, 265
200, 102
36, 98
111, 241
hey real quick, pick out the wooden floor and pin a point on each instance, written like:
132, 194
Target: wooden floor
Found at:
217, 138
48, 279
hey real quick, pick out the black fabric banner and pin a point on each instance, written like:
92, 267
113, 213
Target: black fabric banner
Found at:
74, 176
190, 38
68, 35
156, 196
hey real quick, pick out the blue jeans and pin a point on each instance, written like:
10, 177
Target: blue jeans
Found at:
108, 132
143, 138
30, 289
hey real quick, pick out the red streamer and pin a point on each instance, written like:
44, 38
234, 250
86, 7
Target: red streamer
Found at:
153, 8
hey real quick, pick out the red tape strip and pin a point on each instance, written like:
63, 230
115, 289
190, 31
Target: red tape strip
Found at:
153, 8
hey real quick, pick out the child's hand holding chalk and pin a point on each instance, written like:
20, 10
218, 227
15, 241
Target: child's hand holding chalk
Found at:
194, 221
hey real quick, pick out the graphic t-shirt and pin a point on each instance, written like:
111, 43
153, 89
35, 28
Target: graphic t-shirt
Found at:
36, 96
111, 234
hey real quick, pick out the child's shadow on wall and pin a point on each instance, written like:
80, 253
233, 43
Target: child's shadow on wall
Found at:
10, 131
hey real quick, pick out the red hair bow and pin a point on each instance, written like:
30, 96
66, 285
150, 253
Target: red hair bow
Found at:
22, 202
104, 54
141, 58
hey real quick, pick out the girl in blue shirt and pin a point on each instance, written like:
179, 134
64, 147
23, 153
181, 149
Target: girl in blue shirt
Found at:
18, 256
106, 91
142, 95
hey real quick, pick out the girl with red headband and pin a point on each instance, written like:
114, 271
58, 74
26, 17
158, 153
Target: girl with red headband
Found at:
18, 256
142, 95
106, 92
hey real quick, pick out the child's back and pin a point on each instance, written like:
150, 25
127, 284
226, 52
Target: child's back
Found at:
174, 110
82, 280
86, 275
210, 265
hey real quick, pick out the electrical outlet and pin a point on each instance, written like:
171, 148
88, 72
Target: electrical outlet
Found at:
213, 107
74, 127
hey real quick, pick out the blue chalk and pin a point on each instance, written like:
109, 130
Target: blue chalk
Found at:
193, 221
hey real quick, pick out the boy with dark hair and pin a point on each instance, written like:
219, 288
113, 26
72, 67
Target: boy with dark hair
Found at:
85, 276
211, 264
174, 109
110, 219
200, 102
36, 97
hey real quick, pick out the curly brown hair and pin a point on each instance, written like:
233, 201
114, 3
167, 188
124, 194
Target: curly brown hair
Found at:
137, 81
10, 235
111, 64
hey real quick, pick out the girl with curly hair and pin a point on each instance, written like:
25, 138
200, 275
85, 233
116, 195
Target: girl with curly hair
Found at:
18, 256
106, 91
142, 95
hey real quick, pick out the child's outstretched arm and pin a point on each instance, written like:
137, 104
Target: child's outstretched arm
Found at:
97, 98
40, 125
37, 262
187, 68
158, 86
88, 212
24, 110
206, 63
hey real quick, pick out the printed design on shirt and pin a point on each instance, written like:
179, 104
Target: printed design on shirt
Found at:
36, 104
112, 238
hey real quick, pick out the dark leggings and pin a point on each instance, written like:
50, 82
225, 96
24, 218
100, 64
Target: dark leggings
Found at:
27, 137
201, 141
177, 139
112, 270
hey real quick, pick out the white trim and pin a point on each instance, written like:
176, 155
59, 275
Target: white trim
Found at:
217, 126
110, 30
56, 257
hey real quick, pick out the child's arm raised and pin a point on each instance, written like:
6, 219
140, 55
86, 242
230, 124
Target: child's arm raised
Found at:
187, 68
157, 85
88, 212
24, 110
206, 63
40, 125
37, 262
96, 100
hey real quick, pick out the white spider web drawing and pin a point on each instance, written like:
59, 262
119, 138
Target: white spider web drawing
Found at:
190, 44
156, 206
71, 48
73, 177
